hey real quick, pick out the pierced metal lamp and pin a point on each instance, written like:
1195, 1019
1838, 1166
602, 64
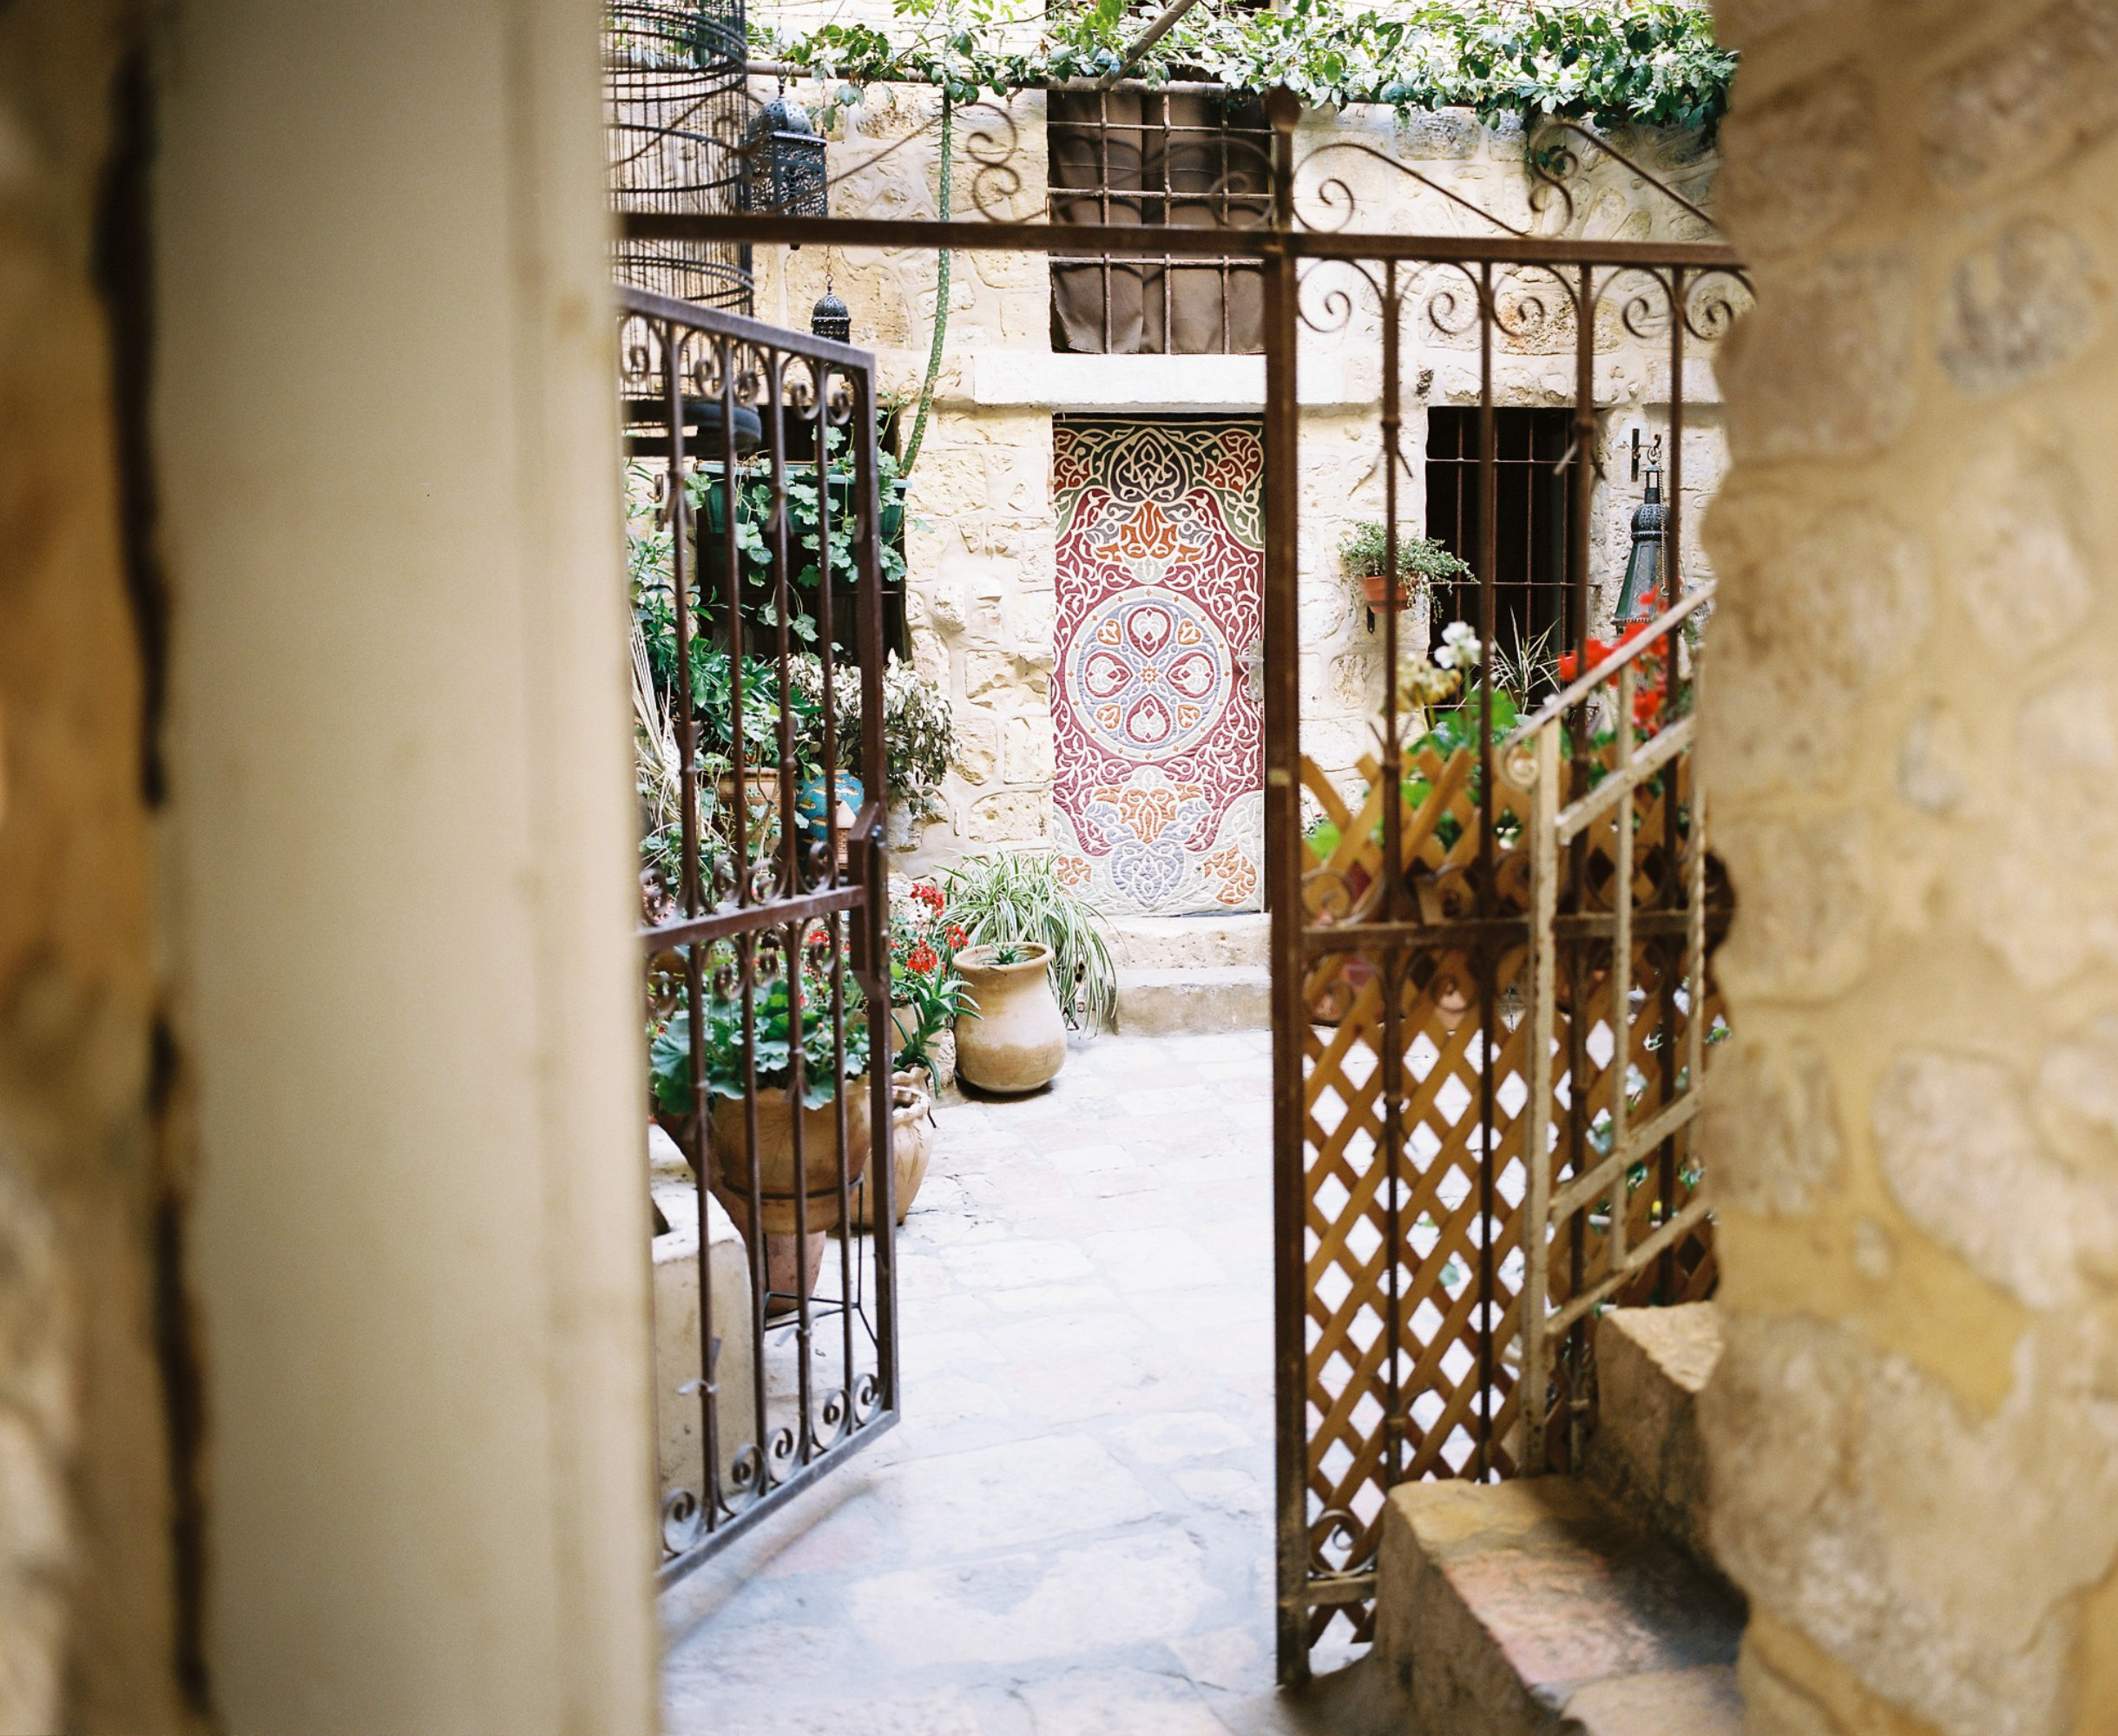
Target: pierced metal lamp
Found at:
831, 318
783, 158
1645, 565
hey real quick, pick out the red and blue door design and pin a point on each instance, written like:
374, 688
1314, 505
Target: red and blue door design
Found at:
1158, 805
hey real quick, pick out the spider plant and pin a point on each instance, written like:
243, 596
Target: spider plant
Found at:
1005, 900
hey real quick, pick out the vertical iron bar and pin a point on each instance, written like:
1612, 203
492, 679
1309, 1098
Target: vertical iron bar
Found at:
871, 954
1580, 1103
1393, 975
1283, 898
1672, 840
827, 653
691, 900
1489, 556
782, 593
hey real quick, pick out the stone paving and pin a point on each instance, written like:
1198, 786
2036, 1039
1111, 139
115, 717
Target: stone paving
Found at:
1069, 1534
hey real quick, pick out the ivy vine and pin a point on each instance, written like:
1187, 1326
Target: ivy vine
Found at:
1651, 63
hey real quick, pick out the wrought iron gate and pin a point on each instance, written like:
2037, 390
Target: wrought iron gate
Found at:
752, 490
1491, 998
1501, 953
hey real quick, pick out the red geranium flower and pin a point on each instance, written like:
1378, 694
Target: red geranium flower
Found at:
957, 937
923, 959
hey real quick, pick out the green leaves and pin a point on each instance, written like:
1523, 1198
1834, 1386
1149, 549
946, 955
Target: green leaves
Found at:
1653, 63
772, 1044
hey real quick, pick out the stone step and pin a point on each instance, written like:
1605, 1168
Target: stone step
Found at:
1194, 998
1172, 943
1645, 1453
1537, 1608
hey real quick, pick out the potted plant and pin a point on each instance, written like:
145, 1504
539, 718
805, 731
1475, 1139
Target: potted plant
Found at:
1039, 961
1421, 562
1016, 1040
926, 990
772, 1041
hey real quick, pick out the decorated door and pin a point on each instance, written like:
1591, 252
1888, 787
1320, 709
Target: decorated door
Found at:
1158, 800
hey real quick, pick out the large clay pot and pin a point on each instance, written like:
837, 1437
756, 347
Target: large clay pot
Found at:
912, 1148
1017, 1041
777, 1190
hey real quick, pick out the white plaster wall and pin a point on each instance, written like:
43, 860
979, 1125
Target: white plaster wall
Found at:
400, 862
980, 549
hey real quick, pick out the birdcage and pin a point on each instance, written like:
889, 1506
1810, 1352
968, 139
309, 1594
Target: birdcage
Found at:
678, 111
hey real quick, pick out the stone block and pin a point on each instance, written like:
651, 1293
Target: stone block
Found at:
1822, 367
1009, 816
1535, 1608
2016, 309
987, 672
1646, 1453
1195, 943
1029, 752
977, 745
1193, 998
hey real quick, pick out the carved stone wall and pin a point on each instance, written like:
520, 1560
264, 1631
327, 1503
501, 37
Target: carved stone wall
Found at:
981, 536
86, 1593
1911, 736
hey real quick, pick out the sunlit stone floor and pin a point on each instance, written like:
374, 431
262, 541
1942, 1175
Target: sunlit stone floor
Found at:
1070, 1535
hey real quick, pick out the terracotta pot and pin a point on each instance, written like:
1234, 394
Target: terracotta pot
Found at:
912, 1148
1376, 588
777, 1190
1017, 1040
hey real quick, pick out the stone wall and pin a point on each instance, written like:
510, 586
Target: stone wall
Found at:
87, 1605
1911, 732
980, 545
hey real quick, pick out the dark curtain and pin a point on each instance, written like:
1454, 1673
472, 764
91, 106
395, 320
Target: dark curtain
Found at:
1145, 157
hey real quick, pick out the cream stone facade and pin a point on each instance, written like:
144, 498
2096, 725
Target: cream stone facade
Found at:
980, 544
1910, 739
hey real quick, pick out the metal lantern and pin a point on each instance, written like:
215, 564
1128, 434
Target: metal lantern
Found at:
1644, 567
784, 155
831, 318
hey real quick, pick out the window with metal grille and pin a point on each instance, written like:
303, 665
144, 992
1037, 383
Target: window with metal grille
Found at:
1531, 482
1197, 159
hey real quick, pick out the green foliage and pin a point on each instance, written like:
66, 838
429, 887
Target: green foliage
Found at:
1365, 549
772, 1022
1649, 63
1002, 900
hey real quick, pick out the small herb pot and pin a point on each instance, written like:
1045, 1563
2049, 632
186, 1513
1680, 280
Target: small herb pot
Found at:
1017, 1040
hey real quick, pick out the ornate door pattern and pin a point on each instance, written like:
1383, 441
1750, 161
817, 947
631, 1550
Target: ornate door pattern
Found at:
1158, 802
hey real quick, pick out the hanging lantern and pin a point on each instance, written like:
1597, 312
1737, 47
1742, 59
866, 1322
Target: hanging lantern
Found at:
1644, 567
831, 318
784, 155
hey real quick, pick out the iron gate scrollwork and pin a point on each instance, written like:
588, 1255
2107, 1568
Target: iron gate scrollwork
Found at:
753, 488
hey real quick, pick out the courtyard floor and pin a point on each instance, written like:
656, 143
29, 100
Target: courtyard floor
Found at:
1069, 1534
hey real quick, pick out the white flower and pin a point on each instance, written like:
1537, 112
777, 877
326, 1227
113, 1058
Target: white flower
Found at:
1460, 649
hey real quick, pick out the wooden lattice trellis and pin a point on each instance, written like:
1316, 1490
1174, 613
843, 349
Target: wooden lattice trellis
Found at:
1425, 1009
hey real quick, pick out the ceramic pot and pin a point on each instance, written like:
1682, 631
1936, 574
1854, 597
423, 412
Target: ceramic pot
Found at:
912, 1148
1376, 587
777, 1190
1017, 1040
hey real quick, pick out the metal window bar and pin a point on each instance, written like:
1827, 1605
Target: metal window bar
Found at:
779, 909
1154, 170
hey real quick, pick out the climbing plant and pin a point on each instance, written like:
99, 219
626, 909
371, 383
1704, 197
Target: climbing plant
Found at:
1649, 63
